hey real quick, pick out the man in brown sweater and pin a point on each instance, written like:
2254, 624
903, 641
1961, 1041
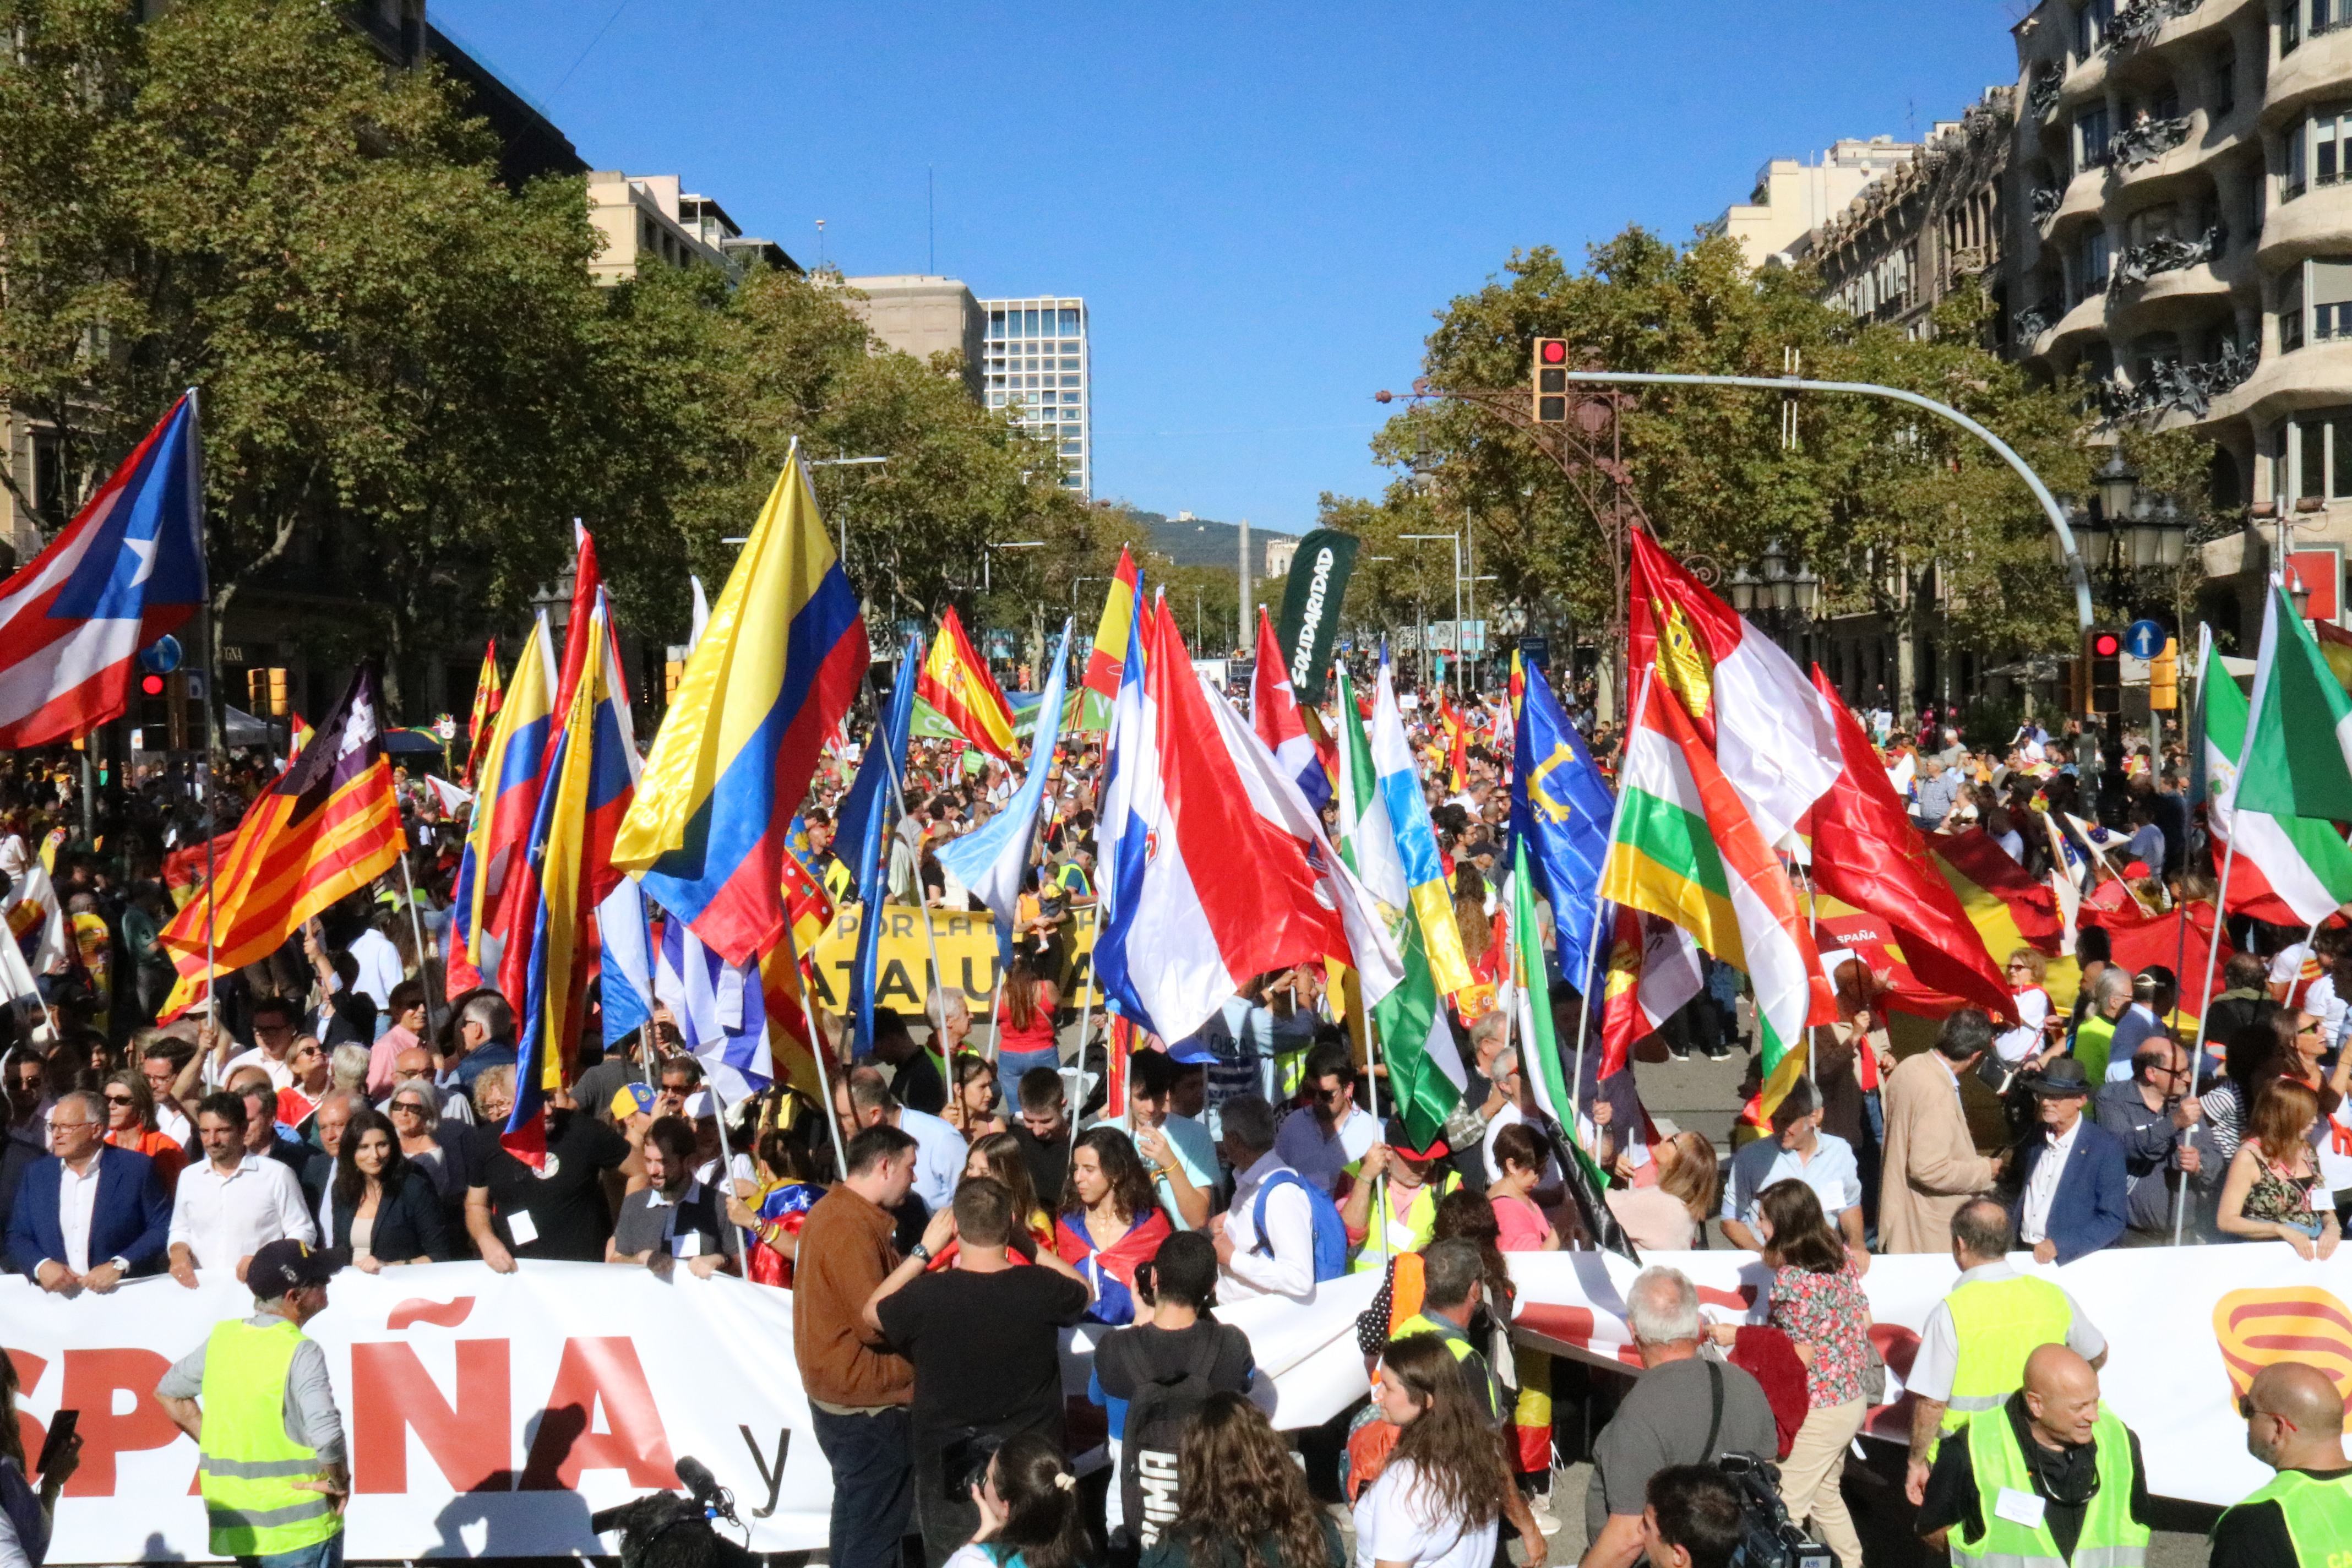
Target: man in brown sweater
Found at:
858, 1390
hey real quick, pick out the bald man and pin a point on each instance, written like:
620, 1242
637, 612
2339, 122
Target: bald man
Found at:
2302, 1516
2052, 1474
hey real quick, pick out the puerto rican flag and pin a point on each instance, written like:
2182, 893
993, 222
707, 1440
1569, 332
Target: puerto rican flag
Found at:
1274, 714
1221, 869
126, 571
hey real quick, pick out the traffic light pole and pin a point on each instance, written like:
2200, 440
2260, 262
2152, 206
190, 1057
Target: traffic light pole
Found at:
2076, 573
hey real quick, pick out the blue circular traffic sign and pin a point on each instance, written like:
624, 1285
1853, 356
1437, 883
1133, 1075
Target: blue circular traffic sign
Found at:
2144, 639
160, 656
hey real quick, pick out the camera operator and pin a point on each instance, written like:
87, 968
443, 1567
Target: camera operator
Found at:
1683, 1410
1694, 1519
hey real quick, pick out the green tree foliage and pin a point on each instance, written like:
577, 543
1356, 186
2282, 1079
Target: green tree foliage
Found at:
410, 383
1894, 507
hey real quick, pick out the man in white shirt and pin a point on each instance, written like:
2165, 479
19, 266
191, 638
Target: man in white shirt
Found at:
1279, 1259
862, 1099
380, 971
276, 1022
1178, 1150
1799, 1149
1331, 1132
235, 1203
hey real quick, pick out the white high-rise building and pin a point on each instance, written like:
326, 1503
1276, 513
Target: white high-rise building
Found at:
1037, 363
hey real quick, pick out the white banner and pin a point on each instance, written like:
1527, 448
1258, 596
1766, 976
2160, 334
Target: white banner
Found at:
489, 1415
2186, 1328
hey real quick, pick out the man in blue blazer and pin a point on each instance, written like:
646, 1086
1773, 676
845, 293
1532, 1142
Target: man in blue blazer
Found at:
2077, 1194
88, 1215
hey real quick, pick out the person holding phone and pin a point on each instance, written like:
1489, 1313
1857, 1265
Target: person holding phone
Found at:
26, 1511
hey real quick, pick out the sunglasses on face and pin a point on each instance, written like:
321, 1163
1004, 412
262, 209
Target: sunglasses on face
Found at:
2246, 1412
118, 1099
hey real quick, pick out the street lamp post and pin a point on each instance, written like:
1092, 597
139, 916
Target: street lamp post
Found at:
1454, 539
842, 519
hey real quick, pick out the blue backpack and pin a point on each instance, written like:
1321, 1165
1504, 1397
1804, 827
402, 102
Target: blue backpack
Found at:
1330, 1231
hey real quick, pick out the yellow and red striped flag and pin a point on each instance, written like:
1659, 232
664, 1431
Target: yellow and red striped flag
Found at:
326, 828
487, 695
956, 682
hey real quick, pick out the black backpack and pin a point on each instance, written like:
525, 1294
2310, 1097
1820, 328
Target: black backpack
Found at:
1155, 1428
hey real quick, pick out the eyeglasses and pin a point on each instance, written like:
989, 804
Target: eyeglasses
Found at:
273, 1029
58, 1126
2247, 1411
120, 1099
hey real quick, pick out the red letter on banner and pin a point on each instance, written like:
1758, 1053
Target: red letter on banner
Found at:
92, 1379
593, 1373
391, 1394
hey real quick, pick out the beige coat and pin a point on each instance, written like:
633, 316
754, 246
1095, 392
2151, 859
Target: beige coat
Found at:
1932, 1168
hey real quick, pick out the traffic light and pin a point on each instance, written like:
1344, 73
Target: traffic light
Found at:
154, 709
265, 692
2164, 678
673, 671
2103, 648
1552, 380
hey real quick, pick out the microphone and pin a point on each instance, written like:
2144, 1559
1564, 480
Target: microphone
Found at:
696, 1477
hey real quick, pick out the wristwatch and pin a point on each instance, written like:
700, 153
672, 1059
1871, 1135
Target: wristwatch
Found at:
117, 1265
919, 1253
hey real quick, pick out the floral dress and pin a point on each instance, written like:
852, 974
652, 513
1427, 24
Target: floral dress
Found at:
1830, 1313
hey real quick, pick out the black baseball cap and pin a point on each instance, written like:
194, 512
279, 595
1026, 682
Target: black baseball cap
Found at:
283, 1266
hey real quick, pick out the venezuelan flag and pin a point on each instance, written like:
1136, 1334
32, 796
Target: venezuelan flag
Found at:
777, 668
589, 784
512, 771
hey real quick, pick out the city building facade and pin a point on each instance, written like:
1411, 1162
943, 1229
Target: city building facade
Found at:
1038, 365
923, 315
651, 217
1792, 198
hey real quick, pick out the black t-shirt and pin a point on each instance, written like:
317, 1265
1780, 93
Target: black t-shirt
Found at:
1049, 1161
565, 1199
597, 1086
2254, 1535
986, 1348
1126, 1359
917, 1084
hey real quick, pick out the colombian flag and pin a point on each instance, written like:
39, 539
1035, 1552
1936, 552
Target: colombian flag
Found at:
1100, 689
776, 669
505, 806
955, 681
589, 782
326, 828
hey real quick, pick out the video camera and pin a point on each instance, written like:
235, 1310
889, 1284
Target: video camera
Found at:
662, 1529
1767, 1539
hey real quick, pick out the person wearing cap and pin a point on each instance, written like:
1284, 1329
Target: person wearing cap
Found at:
1416, 1180
256, 1397
2301, 1517
2076, 1196
1178, 1150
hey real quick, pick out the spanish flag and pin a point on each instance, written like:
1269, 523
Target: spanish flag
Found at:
776, 669
486, 708
955, 681
326, 828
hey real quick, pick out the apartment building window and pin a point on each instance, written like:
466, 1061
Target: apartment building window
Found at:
2090, 27
2290, 27
2316, 447
2090, 130
2091, 261
2329, 287
2225, 80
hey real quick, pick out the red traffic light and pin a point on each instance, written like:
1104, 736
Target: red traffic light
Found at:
2106, 644
1553, 351
151, 685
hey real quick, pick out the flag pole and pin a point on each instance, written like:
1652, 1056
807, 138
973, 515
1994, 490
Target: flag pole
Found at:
930, 939
212, 650
416, 934
726, 1173
1593, 942
818, 1048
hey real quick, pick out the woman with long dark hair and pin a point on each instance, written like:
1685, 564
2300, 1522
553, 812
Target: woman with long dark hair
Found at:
1438, 1501
1031, 1515
1024, 1023
385, 1209
1110, 1220
1817, 1301
1240, 1501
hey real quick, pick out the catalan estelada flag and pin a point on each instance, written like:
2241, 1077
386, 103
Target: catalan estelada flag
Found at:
486, 708
777, 666
505, 806
1100, 689
591, 780
956, 682
326, 828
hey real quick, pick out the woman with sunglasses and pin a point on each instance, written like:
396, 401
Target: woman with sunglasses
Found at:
130, 1124
2273, 1192
2040, 1034
313, 1077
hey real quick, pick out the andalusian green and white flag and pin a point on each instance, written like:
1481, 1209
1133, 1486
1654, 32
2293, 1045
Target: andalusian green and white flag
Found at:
2297, 761
2301, 861
1425, 1073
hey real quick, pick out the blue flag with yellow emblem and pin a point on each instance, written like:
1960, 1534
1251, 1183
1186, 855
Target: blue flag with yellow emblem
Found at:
1561, 810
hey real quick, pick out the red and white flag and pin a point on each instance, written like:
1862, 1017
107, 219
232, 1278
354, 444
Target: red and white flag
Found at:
1275, 715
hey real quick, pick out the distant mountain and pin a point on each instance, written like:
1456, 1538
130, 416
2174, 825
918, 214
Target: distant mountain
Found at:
1198, 542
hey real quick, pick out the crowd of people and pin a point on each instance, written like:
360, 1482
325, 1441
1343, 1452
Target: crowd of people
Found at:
329, 1109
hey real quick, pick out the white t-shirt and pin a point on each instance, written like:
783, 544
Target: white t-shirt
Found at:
1393, 1525
2033, 1009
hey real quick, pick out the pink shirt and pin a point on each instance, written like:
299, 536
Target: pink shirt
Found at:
388, 1045
1522, 1223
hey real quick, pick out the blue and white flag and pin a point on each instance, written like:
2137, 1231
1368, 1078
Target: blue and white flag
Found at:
993, 860
719, 1010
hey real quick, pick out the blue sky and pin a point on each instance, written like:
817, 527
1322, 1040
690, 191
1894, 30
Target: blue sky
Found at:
1263, 205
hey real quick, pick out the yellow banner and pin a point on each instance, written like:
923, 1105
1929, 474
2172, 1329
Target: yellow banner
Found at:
967, 958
